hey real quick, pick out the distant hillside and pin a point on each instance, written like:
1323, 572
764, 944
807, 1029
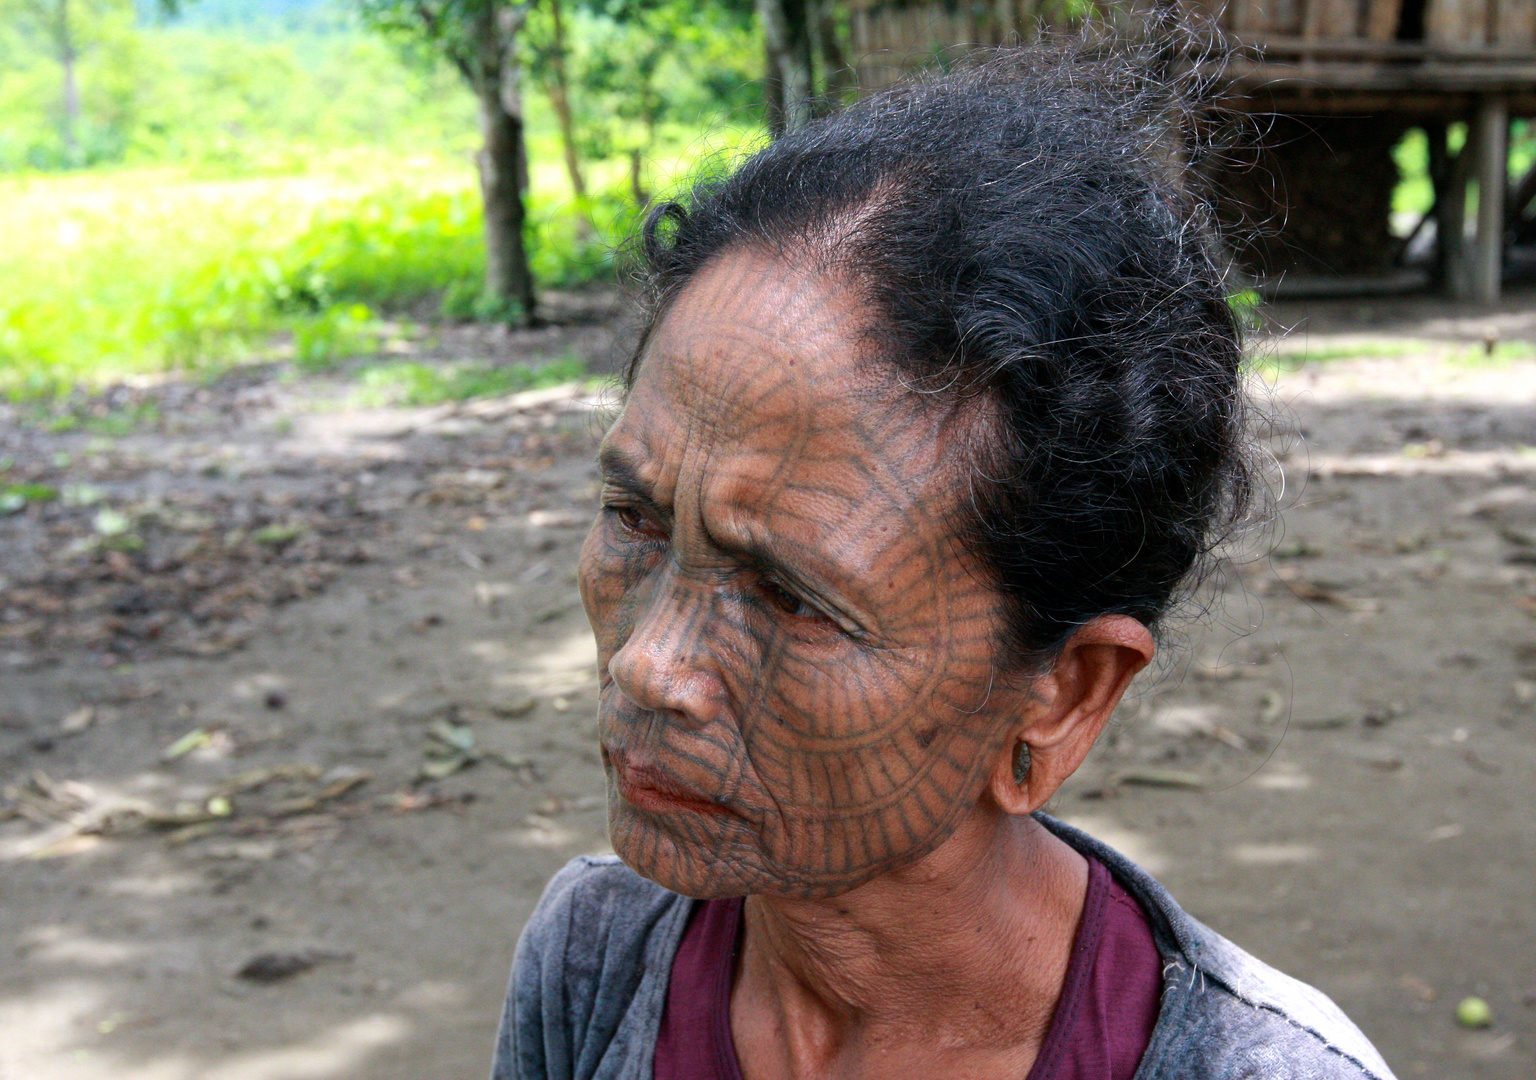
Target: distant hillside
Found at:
245, 14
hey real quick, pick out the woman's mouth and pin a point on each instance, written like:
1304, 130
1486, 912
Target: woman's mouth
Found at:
645, 787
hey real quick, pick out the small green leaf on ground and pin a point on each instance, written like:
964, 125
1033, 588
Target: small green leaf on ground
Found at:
192, 740
277, 535
458, 738
77, 720
15, 497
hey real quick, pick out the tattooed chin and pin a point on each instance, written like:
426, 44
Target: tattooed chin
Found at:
708, 855
709, 845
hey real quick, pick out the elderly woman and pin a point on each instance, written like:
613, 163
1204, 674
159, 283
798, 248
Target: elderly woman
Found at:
937, 407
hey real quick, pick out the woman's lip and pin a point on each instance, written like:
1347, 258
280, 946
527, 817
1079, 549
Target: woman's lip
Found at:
648, 788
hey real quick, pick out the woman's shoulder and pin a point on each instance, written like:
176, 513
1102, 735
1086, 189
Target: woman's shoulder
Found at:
1224, 1012
1246, 1019
590, 974
597, 905
599, 881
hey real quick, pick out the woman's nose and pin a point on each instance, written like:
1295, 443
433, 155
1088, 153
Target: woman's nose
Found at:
668, 662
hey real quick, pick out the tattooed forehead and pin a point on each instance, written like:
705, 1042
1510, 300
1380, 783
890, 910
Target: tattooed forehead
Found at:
775, 364
767, 434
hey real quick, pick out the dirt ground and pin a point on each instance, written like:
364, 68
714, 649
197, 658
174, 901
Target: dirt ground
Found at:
296, 711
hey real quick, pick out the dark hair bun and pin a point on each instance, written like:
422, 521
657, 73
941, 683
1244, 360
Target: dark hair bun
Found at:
1028, 232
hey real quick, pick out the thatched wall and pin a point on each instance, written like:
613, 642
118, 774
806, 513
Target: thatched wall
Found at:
1338, 81
896, 34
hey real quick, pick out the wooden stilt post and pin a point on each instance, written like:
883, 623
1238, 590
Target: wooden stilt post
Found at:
1451, 225
1440, 181
1492, 165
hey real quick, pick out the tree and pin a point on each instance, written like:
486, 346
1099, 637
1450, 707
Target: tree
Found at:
800, 37
66, 28
789, 75
480, 39
615, 71
558, 87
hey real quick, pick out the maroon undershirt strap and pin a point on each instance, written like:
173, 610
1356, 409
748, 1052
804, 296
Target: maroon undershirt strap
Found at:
1102, 1025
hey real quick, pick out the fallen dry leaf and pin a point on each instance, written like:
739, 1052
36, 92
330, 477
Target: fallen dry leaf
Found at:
77, 720
271, 967
1163, 778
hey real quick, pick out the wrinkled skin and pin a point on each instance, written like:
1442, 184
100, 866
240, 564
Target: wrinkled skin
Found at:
798, 690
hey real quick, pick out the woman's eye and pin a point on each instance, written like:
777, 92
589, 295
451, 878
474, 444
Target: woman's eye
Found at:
631, 520
629, 517
788, 602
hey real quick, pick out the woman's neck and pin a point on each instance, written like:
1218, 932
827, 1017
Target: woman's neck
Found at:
962, 954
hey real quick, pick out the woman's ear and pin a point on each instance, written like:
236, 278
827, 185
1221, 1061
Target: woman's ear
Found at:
1067, 708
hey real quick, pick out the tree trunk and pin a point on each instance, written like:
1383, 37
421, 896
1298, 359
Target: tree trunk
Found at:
65, 40
789, 80
837, 74
560, 100
503, 161
508, 280
1440, 183
636, 186
1451, 225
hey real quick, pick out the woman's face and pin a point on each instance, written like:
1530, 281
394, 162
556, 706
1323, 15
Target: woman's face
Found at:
796, 656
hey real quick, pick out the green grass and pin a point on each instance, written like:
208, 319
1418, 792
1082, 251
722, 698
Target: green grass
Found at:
17, 497
62, 415
1502, 354
224, 102
1273, 363
409, 383
118, 273
1362, 350
244, 187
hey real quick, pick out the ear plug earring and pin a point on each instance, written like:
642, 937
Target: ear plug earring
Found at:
1021, 763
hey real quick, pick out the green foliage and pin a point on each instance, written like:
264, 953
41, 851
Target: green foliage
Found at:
335, 332
640, 70
399, 248
114, 273
35, 36
1246, 305
124, 272
571, 244
455, 30
392, 246
409, 383
1415, 193
288, 184
230, 104
252, 17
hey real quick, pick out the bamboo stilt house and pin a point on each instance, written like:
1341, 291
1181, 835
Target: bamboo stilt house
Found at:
1339, 82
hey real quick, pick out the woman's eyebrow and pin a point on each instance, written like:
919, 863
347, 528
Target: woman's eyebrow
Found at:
795, 573
620, 470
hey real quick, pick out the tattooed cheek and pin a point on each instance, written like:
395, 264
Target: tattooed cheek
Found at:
617, 589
